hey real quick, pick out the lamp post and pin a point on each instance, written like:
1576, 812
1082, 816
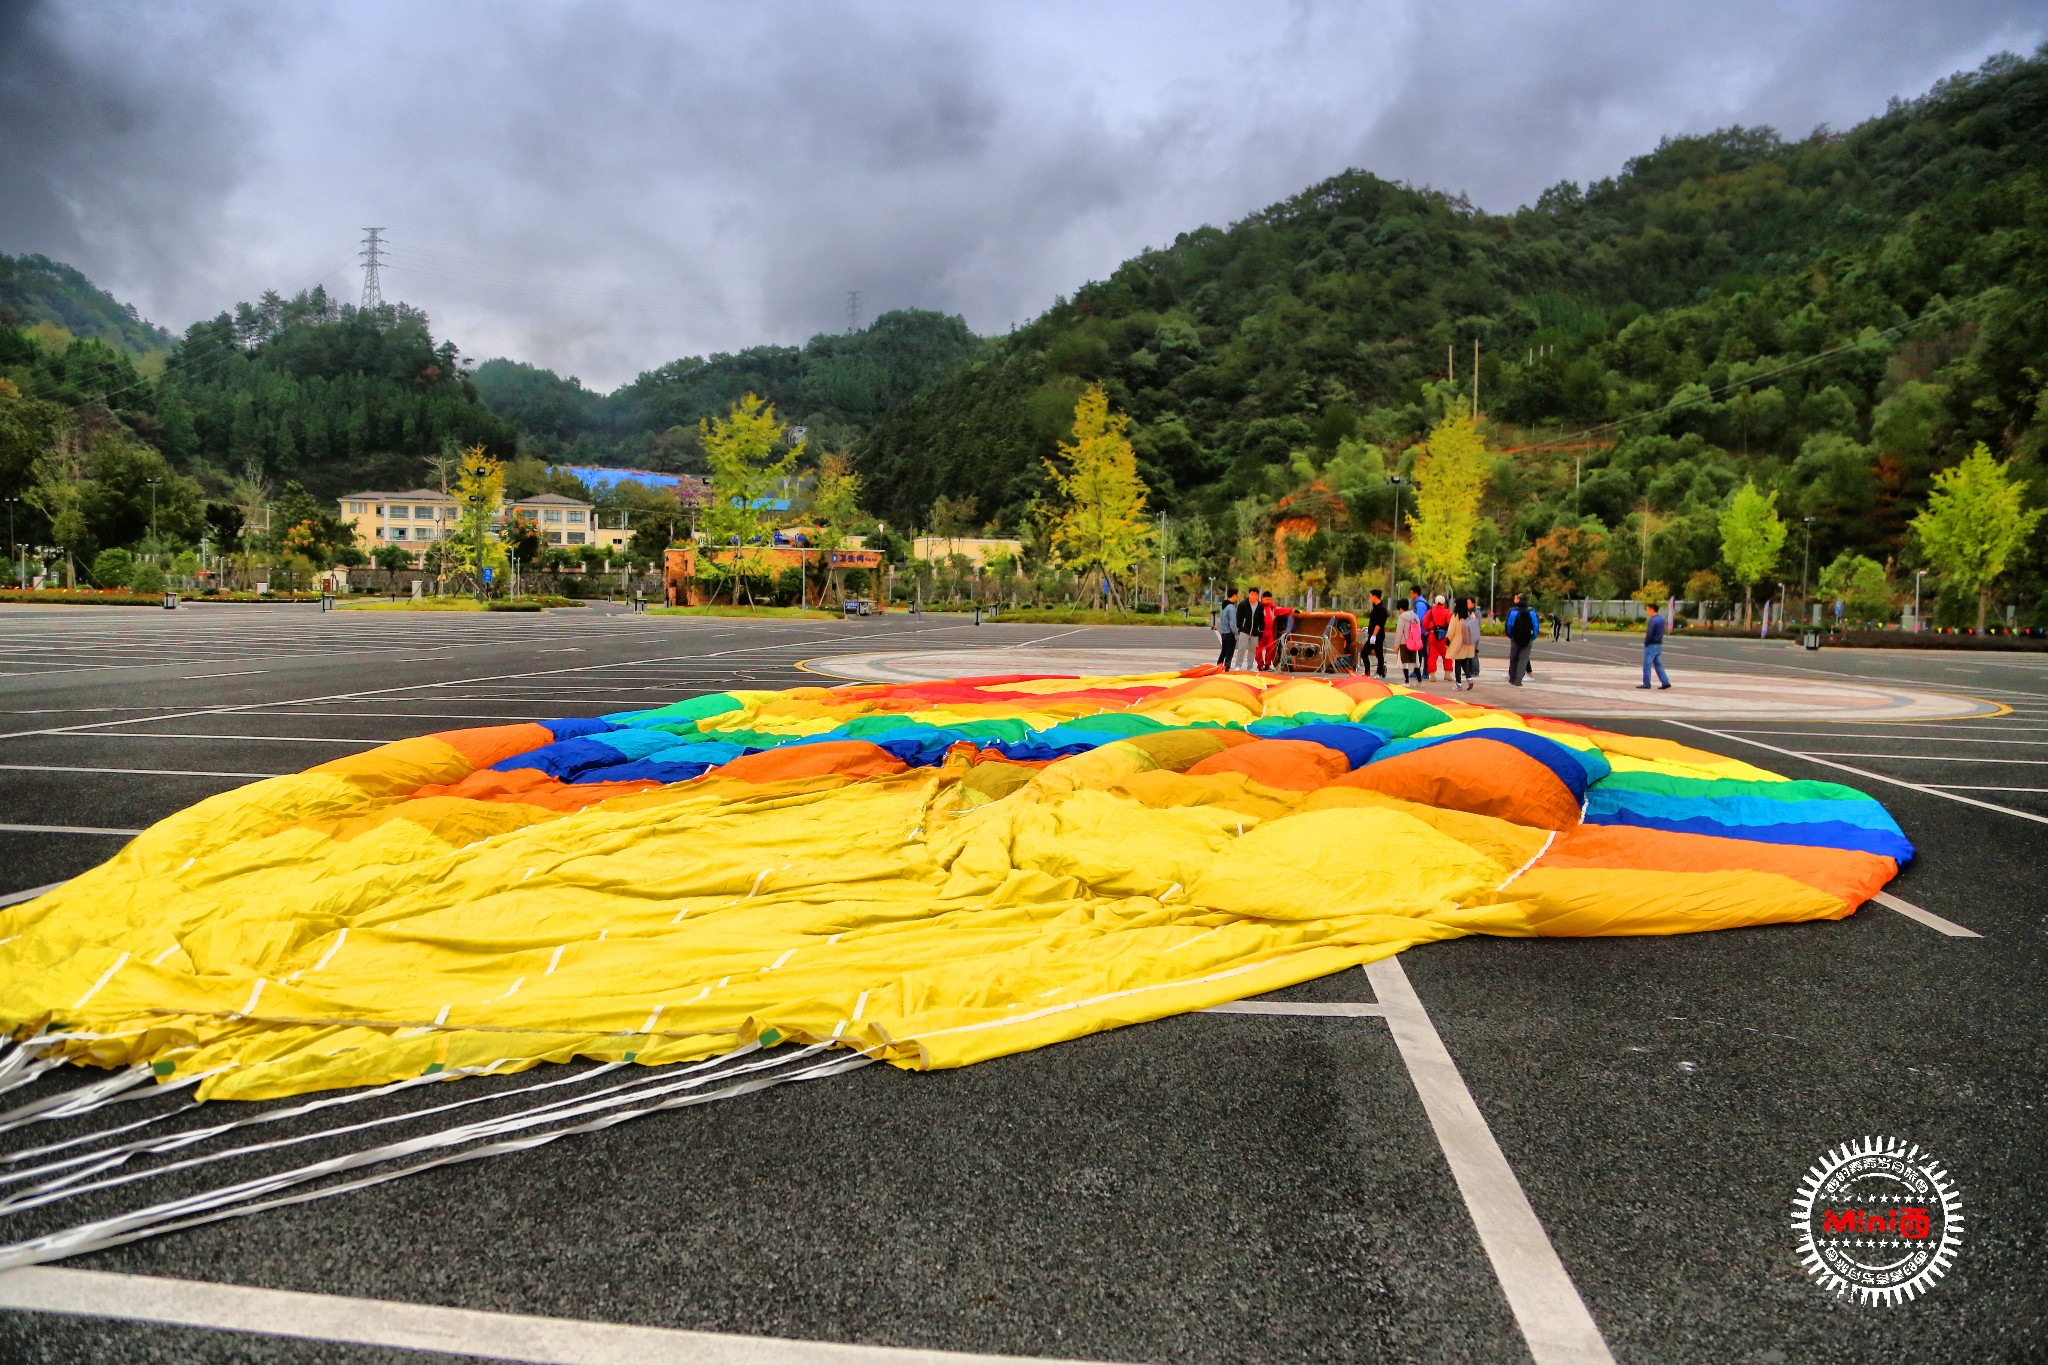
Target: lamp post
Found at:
152, 517
1394, 564
1492, 602
13, 553
1917, 576
1805, 557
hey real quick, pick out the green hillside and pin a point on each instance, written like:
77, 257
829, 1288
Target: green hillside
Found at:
1837, 317
836, 386
36, 292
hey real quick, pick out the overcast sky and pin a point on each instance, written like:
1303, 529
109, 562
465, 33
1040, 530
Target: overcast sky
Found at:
600, 188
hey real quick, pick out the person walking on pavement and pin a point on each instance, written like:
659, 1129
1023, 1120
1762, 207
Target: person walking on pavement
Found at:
1436, 637
1248, 623
1461, 645
1375, 635
1409, 640
1522, 625
1226, 629
1653, 651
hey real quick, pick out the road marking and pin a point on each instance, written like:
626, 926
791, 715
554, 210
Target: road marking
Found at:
245, 673
64, 829
463, 1332
1865, 772
125, 772
1926, 917
1925, 758
1968, 787
1546, 1304
1301, 1008
17, 897
1908, 739
252, 739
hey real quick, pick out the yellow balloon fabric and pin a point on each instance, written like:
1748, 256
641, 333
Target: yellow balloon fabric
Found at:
933, 873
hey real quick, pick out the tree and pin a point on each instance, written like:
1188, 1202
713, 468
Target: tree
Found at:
1654, 593
111, 568
1450, 478
391, 558
1860, 584
522, 536
1751, 537
745, 475
1102, 527
1975, 519
1703, 587
479, 492
835, 506
1558, 565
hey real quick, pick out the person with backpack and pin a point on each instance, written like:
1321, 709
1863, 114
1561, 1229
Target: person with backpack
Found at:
1436, 637
1226, 630
1523, 626
1408, 640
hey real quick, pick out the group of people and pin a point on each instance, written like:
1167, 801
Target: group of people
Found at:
1431, 637
1252, 628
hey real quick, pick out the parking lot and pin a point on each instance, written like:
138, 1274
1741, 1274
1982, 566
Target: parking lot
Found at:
1495, 1150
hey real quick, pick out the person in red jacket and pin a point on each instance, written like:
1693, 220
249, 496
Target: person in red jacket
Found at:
1268, 631
1436, 636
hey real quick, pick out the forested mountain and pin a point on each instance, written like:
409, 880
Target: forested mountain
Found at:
275, 394
39, 293
836, 386
1837, 317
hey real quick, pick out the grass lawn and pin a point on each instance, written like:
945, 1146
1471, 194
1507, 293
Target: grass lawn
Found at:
805, 613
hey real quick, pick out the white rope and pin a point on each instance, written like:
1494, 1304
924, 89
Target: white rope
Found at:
217, 1205
65, 1186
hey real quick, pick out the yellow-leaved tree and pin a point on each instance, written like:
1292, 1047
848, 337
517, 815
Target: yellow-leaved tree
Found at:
835, 506
479, 494
745, 475
1101, 526
1450, 477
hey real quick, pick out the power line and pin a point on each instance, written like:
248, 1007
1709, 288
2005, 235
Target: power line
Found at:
373, 259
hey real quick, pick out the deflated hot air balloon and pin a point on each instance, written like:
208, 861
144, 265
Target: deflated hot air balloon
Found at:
929, 874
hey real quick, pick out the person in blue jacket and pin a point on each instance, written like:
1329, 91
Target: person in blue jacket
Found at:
1523, 625
1653, 652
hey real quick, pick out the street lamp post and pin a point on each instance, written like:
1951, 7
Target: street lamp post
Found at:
1394, 564
152, 517
1917, 576
13, 553
1805, 557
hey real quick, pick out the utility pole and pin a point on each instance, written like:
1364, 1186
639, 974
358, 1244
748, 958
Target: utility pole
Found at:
373, 260
1394, 565
1451, 362
1162, 563
12, 553
852, 311
152, 518
1475, 380
1805, 556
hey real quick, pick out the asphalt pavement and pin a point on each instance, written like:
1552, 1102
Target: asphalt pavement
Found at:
1218, 1187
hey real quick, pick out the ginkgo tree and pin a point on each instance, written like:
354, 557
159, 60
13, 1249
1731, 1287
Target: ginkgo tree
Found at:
1100, 526
1752, 535
479, 495
1450, 477
1976, 517
746, 472
835, 506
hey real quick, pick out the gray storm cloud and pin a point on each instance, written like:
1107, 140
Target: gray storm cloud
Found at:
602, 187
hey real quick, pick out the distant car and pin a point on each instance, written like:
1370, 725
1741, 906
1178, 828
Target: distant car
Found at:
859, 606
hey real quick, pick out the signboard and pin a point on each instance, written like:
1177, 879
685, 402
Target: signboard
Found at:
489, 574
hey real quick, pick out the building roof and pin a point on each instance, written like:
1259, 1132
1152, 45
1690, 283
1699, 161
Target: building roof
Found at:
547, 500
406, 496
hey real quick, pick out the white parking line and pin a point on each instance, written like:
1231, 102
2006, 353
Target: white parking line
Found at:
65, 829
1865, 772
1546, 1303
426, 1327
254, 739
1926, 758
1926, 917
1910, 739
1306, 1009
1968, 787
17, 897
125, 772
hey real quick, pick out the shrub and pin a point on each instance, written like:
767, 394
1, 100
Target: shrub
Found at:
146, 578
111, 568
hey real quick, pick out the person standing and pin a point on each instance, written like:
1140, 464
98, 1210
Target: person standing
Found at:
1269, 628
1226, 629
1522, 626
1248, 622
1375, 635
1436, 637
1461, 645
1653, 651
1409, 640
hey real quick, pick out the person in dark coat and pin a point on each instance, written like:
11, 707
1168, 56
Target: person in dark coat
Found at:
1523, 625
1250, 621
1226, 628
1375, 636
